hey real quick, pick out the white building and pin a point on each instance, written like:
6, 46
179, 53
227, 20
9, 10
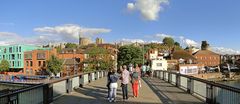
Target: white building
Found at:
160, 64
157, 61
190, 69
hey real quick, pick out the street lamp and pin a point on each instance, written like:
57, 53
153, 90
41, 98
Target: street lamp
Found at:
74, 67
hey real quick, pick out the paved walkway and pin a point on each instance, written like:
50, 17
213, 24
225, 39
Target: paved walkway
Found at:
159, 92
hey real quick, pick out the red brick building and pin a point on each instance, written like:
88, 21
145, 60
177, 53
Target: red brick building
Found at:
35, 61
72, 61
207, 58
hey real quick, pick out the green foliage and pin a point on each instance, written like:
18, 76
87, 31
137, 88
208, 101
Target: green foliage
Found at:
71, 45
168, 41
59, 49
4, 65
130, 54
54, 65
177, 44
99, 59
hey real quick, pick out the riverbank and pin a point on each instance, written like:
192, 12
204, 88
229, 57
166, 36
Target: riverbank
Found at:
216, 77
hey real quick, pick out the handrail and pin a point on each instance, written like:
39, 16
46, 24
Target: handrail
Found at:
43, 84
223, 86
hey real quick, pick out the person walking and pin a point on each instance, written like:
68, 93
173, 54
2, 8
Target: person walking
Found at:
130, 68
143, 70
108, 83
113, 86
124, 83
135, 83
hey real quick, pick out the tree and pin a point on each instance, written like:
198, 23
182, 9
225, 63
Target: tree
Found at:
130, 54
168, 41
177, 44
71, 45
99, 59
4, 65
54, 65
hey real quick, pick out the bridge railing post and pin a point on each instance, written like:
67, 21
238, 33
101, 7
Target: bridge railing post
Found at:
178, 80
47, 93
69, 85
210, 92
190, 85
169, 77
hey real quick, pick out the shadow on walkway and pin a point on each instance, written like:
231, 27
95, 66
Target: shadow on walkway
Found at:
96, 93
170, 94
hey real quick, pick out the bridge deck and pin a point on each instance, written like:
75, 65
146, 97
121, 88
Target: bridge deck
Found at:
153, 91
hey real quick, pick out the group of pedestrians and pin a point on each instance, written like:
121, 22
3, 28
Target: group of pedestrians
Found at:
126, 75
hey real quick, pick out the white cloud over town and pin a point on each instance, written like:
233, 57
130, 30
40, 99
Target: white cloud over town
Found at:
149, 9
56, 34
71, 31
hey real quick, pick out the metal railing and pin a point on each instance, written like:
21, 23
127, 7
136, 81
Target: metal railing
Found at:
209, 91
45, 93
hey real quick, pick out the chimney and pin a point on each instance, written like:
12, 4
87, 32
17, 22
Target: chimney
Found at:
205, 45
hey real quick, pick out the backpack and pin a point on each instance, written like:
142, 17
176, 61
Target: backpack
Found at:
113, 78
135, 75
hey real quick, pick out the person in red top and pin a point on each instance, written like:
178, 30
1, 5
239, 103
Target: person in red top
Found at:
135, 81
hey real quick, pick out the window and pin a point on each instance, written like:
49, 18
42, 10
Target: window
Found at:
10, 50
27, 63
20, 49
3, 56
44, 63
40, 56
5, 50
31, 63
28, 56
39, 63
13, 57
159, 64
13, 64
16, 49
18, 64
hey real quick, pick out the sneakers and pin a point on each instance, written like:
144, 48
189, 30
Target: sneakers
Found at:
111, 100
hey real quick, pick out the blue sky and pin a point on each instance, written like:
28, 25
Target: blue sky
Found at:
216, 21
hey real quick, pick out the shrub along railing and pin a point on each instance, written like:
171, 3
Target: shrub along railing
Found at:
209, 91
45, 93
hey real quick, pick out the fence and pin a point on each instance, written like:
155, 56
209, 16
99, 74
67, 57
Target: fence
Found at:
47, 92
209, 91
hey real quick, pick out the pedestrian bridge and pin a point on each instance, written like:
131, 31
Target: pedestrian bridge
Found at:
90, 88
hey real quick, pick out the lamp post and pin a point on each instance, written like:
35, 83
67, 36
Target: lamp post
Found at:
74, 67
143, 54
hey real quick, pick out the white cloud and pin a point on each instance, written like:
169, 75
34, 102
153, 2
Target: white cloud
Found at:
71, 31
132, 41
63, 33
188, 42
162, 36
223, 50
7, 35
149, 9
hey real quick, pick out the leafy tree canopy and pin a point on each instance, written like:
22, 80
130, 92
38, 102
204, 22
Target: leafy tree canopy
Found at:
71, 45
168, 41
4, 65
99, 58
177, 44
130, 54
54, 65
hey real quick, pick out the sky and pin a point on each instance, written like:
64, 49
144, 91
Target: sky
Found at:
187, 21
